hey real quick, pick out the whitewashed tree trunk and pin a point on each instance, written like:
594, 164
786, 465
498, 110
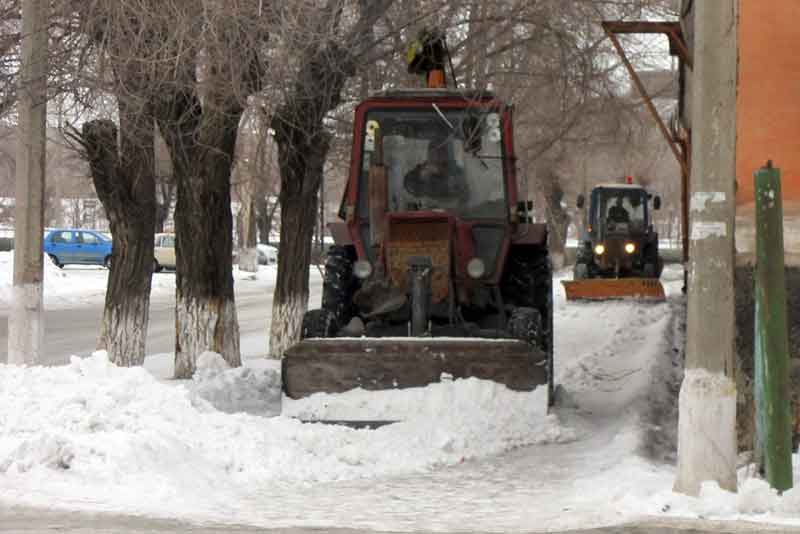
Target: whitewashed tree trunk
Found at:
287, 319
125, 329
124, 179
205, 324
248, 254
290, 299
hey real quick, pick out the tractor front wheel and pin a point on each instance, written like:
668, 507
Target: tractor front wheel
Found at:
339, 283
318, 324
580, 272
528, 283
525, 324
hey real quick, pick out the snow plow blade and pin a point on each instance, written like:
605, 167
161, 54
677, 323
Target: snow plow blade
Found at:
615, 288
337, 365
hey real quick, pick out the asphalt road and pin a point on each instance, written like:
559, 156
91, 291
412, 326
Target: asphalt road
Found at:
75, 331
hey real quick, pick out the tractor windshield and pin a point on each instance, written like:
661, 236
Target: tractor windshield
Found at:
439, 159
624, 210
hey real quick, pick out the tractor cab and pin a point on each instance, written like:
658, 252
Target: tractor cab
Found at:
447, 157
432, 177
619, 210
619, 240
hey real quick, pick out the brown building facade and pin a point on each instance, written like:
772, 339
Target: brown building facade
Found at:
768, 101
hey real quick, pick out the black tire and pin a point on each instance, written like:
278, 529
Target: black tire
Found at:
107, 262
528, 283
580, 271
653, 264
525, 324
339, 284
528, 279
156, 266
55, 261
318, 323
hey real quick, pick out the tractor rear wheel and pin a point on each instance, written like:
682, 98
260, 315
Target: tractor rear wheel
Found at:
318, 323
339, 283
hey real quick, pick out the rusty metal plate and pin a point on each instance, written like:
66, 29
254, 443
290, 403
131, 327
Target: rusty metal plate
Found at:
414, 238
339, 365
614, 288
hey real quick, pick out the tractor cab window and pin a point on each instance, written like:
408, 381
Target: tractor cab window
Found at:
624, 211
439, 159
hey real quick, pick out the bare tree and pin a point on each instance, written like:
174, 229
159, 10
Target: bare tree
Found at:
199, 116
123, 170
326, 62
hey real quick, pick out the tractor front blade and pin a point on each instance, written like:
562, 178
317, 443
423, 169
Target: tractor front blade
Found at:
649, 289
338, 365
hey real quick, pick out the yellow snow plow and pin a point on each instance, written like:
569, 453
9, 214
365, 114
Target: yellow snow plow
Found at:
615, 288
618, 255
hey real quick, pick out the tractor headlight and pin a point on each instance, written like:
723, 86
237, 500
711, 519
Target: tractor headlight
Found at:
362, 269
599, 249
630, 248
476, 268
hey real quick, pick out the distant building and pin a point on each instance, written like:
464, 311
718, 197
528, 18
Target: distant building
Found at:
767, 109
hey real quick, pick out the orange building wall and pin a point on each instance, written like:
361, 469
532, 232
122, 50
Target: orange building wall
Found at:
768, 105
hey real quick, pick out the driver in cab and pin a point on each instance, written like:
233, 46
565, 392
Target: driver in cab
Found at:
617, 213
438, 177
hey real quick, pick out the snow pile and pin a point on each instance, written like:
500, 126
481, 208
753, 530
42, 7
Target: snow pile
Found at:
474, 416
93, 432
754, 501
243, 389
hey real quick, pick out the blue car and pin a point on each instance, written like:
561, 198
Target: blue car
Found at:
77, 246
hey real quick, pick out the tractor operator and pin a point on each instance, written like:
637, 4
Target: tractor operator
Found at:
437, 177
617, 213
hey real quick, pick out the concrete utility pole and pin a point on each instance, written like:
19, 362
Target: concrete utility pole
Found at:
707, 447
26, 321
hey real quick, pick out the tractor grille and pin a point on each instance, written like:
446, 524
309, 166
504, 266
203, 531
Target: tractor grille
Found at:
615, 254
420, 238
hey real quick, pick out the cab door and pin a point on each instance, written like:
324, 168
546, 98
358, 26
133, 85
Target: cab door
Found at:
63, 245
90, 248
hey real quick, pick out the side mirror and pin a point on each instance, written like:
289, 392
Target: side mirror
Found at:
657, 203
580, 201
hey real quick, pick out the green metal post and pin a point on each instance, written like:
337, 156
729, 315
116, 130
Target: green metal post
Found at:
773, 410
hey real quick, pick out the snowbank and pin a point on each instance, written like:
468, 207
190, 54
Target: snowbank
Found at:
471, 455
93, 433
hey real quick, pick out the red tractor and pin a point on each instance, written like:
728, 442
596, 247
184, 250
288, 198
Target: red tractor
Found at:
437, 268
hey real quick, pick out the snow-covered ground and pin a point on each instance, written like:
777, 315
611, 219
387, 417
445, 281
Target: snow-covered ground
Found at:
472, 455
81, 285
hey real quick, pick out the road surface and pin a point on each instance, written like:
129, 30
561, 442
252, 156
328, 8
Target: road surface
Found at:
33, 521
74, 331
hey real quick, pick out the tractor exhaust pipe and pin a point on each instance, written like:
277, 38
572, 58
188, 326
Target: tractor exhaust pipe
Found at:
420, 288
